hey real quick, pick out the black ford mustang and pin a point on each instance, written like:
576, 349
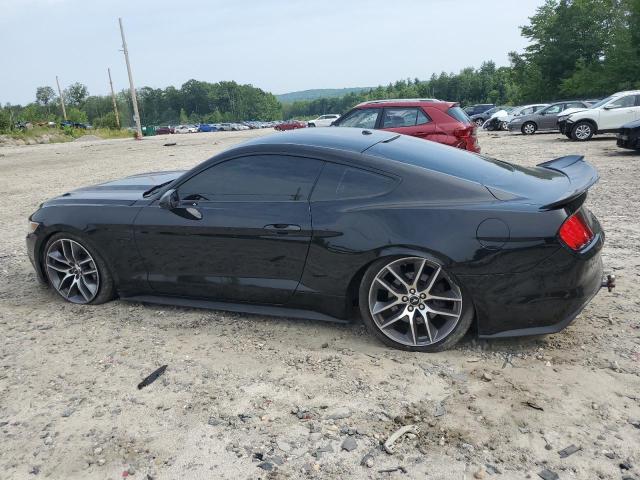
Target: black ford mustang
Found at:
421, 238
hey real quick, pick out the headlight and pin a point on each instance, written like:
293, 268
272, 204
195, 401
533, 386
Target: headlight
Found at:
32, 226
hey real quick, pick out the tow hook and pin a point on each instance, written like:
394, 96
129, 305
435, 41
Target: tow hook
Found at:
609, 282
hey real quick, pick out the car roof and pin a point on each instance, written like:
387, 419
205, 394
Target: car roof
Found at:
406, 102
348, 139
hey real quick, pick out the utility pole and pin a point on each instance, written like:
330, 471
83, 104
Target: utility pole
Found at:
113, 98
64, 111
134, 99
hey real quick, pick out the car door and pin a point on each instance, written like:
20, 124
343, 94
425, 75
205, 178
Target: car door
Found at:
618, 112
548, 117
239, 232
408, 121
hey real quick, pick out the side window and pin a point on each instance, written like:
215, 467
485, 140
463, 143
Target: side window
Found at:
527, 111
622, 102
364, 118
553, 109
271, 177
400, 117
339, 182
637, 100
575, 105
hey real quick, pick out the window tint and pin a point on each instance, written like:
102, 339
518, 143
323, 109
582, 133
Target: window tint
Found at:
552, 109
338, 182
527, 111
575, 105
403, 117
628, 101
245, 178
364, 118
458, 114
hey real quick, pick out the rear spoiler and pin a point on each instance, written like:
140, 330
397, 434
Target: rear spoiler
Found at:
581, 175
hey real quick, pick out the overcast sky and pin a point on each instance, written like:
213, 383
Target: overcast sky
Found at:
277, 45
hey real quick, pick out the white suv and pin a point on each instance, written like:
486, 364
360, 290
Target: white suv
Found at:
323, 120
606, 116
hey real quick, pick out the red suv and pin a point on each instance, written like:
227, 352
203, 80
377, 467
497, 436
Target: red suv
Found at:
435, 120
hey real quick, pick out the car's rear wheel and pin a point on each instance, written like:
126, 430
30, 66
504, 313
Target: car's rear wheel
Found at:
582, 131
412, 303
76, 271
529, 128
479, 122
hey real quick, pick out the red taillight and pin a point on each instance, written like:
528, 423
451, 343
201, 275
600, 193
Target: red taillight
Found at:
575, 232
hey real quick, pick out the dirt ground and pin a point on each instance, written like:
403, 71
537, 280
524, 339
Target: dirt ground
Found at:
248, 397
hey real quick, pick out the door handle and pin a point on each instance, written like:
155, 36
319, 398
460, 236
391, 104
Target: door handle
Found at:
283, 227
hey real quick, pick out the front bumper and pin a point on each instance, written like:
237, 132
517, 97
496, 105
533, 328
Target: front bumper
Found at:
541, 301
565, 127
34, 246
628, 139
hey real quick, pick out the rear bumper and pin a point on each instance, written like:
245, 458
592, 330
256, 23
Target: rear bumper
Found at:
541, 301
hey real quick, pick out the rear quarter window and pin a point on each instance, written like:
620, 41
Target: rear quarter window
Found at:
458, 114
339, 182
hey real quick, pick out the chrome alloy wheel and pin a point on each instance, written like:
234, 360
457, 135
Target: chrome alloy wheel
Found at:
72, 271
583, 131
529, 129
414, 302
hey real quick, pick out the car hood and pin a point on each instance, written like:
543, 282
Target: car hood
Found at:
570, 111
124, 191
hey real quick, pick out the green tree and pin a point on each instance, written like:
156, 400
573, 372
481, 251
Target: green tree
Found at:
44, 95
76, 94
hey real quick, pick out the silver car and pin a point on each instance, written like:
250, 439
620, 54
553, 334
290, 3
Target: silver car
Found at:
545, 119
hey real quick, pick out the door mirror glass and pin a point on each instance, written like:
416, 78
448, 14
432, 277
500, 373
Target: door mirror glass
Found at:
169, 199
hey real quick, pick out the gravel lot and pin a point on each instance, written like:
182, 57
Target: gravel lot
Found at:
257, 397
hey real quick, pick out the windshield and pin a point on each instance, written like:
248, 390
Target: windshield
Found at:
602, 102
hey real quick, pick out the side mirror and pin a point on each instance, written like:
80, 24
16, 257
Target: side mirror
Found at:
169, 200
609, 107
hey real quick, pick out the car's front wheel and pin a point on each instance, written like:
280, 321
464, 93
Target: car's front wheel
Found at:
479, 122
76, 271
504, 125
529, 128
582, 131
412, 303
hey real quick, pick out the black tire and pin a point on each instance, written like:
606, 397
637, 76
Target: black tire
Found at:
528, 128
504, 126
582, 131
106, 286
312, 124
479, 122
460, 329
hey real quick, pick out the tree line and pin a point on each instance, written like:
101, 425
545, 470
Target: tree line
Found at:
577, 49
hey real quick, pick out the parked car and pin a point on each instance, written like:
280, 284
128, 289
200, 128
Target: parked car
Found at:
479, 108
323, 120
629, 135
442, 122
545, 119
69, 123
480, 118
164, 130
606, 116
517, 112
206, 127
495, 122
185, 129
290, 125
422, 239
